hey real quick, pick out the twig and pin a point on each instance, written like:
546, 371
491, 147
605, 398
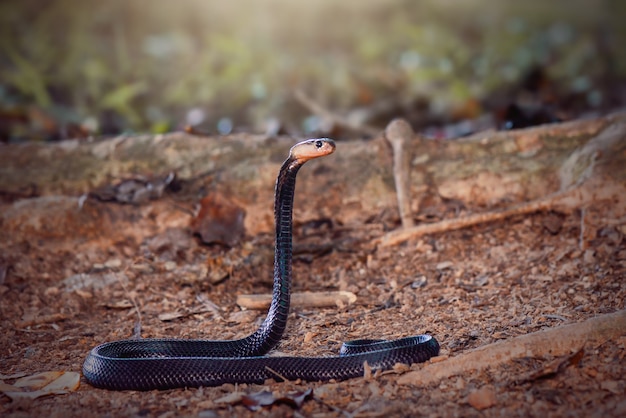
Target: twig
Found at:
275, 373
397, 237
45, 319
305, 299
137, 326
170, 316
574, 197
577, 190
324, 113
557, 341
398, 133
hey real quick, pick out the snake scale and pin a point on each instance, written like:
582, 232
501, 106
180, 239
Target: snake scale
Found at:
147, 364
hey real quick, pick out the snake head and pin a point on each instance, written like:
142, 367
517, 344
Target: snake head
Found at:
311, 148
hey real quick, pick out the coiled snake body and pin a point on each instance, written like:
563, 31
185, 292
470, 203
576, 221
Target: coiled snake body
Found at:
146, 364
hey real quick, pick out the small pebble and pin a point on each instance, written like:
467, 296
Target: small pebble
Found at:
482, 398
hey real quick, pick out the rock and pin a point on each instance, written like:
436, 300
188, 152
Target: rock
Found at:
482, 398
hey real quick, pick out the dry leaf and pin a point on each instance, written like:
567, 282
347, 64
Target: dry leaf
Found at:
120, 304
367, 371
257, 400
553, 367
231, 398
13, 376
5, 387
37, 381
170, 316
42, 384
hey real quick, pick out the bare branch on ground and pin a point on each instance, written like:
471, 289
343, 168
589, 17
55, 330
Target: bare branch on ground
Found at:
557, 341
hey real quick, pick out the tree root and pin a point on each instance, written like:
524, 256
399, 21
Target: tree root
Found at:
557, 341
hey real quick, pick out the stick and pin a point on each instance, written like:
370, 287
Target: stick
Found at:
557, 341
400, 236
592, 191
398, 133
45, 319
303, 300
275, 373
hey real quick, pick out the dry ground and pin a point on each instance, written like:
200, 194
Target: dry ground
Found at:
468, 288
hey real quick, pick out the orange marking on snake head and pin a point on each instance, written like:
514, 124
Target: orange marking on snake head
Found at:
311, 148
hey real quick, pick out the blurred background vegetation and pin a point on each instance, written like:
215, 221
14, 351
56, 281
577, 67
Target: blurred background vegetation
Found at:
72, 68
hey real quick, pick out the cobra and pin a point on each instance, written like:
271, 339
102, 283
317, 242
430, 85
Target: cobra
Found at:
146, 364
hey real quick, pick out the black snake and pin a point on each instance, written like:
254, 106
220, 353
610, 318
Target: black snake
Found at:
145, 364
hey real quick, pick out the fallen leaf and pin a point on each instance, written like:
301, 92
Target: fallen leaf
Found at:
367, 371
120, 304
67, 382
257, 400
42, 384
296, 399
5, 387
170, 316
13, 376
231, 398
37, 381
553, 367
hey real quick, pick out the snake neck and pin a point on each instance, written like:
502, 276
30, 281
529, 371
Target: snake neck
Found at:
271, 330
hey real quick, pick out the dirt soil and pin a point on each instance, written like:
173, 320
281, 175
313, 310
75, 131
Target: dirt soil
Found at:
468, 288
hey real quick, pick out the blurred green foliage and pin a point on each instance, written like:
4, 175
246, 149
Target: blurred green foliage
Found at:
137, 65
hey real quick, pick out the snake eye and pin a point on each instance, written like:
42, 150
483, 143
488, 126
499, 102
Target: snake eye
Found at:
318, 144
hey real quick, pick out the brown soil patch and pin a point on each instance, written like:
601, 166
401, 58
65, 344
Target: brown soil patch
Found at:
62, 295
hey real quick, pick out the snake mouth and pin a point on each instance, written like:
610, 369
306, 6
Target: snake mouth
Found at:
312, 148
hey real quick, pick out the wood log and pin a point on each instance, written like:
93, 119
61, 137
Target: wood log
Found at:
482, 171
